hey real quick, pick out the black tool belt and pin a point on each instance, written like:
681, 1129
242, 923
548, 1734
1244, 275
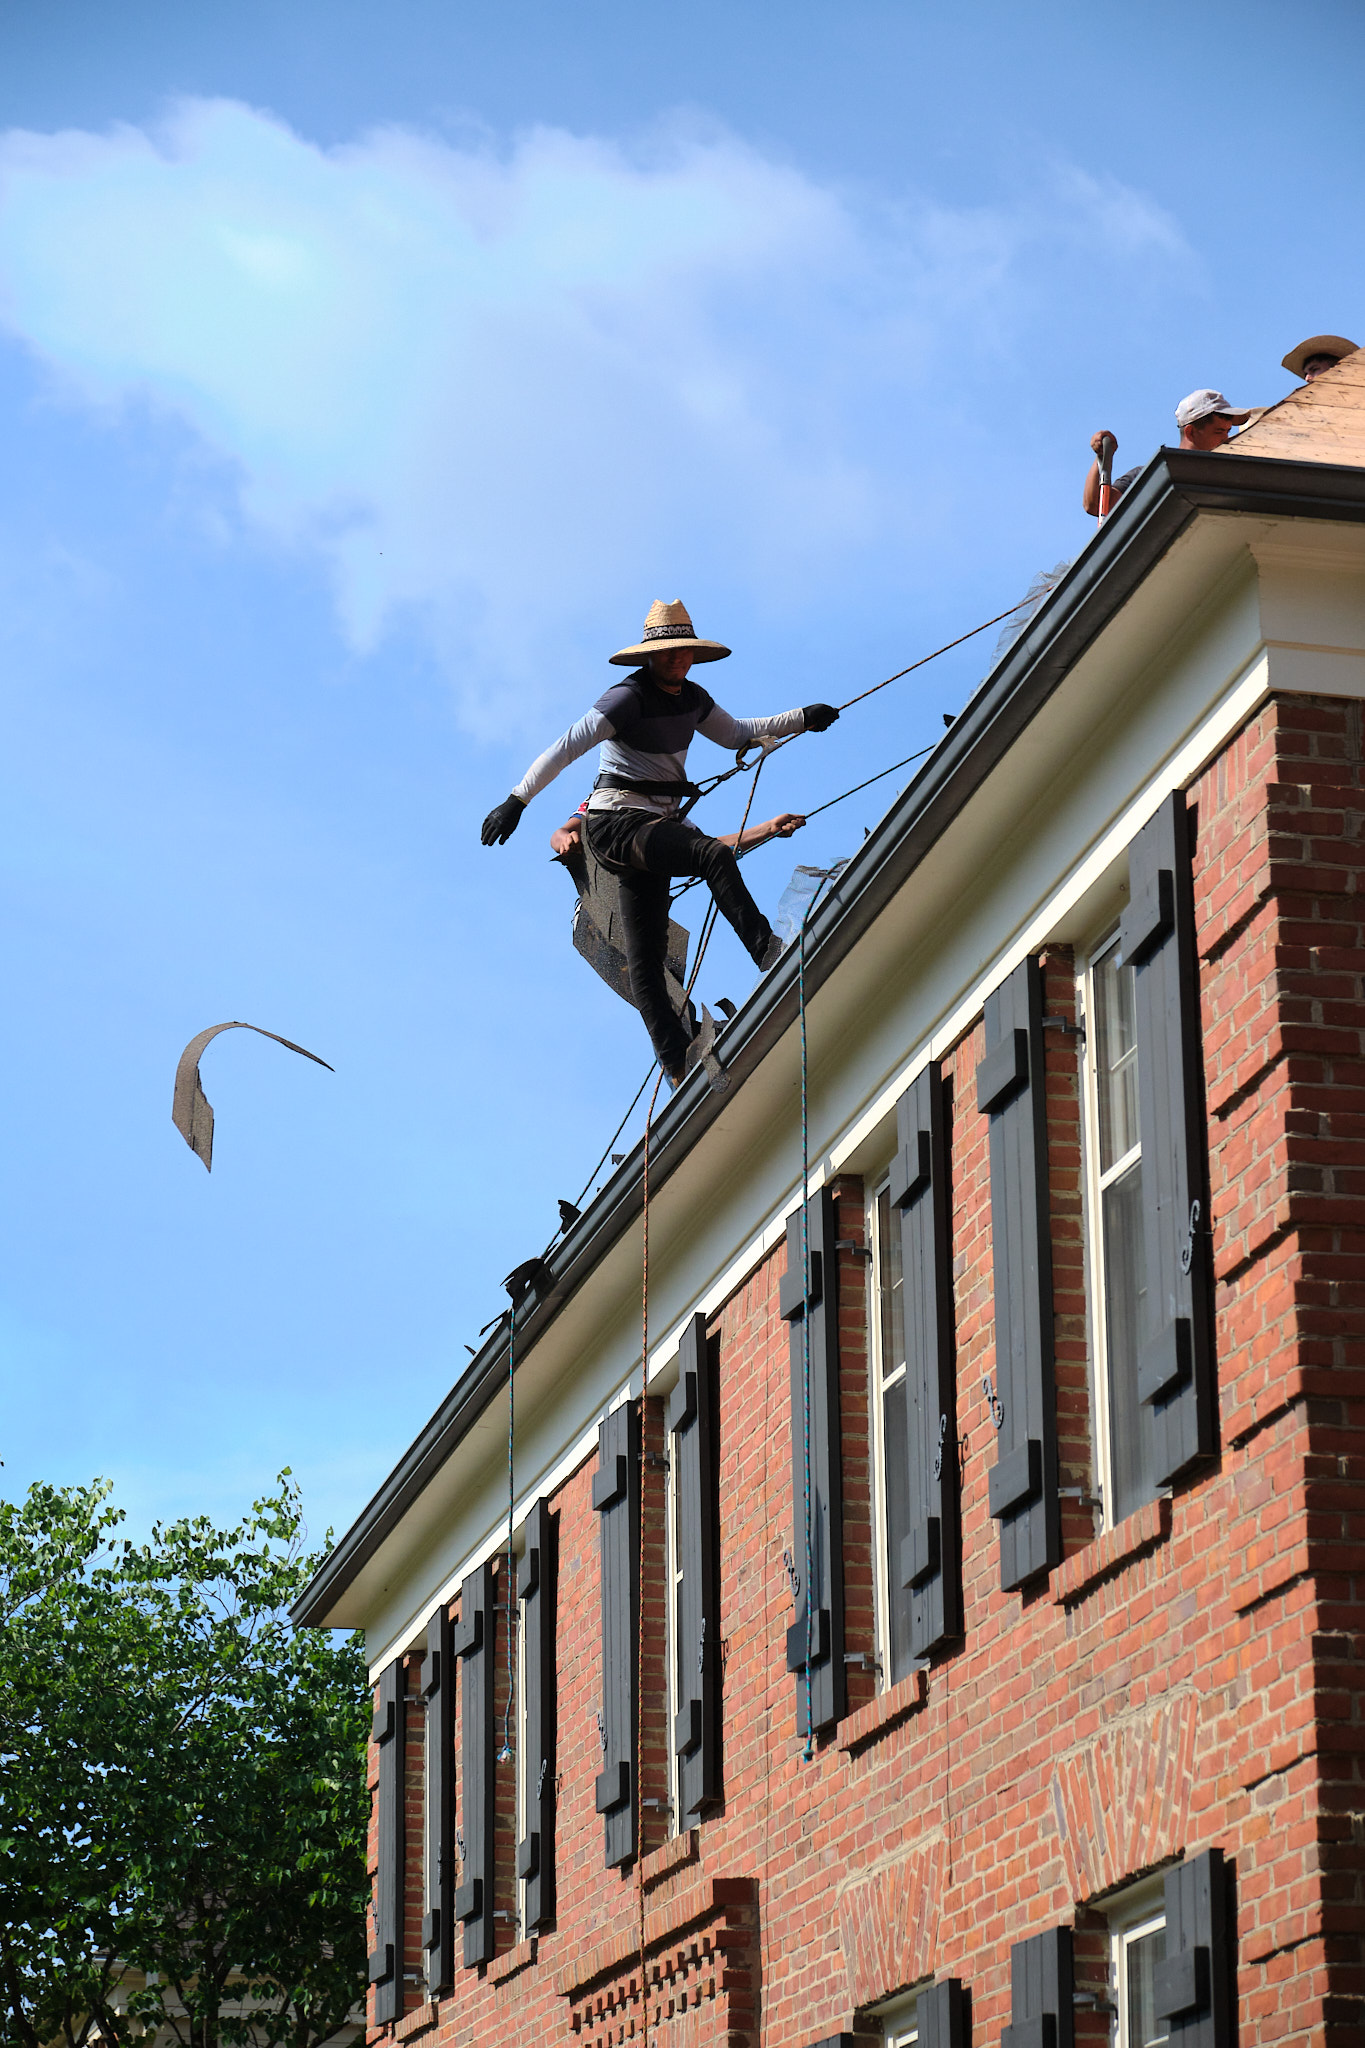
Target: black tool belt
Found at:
678, 789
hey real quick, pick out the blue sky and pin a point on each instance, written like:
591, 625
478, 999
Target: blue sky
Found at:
365, 372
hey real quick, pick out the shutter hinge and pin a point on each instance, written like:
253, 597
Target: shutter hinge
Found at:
849, 1244
863, 1661
1064, 1025
656, 1460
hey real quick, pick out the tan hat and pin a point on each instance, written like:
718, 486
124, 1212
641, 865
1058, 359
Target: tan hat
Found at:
1318, 345
668, 626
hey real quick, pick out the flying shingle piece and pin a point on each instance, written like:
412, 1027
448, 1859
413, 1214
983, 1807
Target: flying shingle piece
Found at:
191, 1110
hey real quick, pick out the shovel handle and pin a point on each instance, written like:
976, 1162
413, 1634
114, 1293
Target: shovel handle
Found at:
1107, 446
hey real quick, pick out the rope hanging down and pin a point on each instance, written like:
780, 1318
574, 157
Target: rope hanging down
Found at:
809, 1750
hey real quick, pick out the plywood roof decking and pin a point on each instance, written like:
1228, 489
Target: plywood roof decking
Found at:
1322, 422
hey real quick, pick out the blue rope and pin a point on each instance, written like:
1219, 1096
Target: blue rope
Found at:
809, 1750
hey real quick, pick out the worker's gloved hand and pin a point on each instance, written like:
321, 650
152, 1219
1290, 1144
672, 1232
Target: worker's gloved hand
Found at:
819, 717
502, 821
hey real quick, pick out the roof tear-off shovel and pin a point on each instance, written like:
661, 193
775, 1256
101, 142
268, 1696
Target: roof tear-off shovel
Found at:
191, 1110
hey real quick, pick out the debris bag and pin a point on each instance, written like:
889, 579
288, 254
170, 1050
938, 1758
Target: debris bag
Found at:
598, 937
1045, 581
796, 899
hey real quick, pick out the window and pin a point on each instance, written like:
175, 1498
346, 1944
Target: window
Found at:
900, 2025
673, 1569
1124, 1447
889, 1438
1137, 1935
527, 1807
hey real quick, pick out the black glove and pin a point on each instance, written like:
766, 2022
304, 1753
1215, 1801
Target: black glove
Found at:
819, 717
502, 821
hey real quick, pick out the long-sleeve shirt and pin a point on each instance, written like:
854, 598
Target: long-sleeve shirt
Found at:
644, 733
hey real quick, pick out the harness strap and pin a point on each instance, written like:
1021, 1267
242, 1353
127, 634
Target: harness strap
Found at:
689, 789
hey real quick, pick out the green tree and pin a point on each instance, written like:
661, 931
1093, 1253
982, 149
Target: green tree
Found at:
183, 1806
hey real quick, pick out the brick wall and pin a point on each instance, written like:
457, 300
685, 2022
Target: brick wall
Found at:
1191, 1679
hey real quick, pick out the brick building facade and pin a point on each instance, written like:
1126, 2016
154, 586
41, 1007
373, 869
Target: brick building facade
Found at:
1068, 1587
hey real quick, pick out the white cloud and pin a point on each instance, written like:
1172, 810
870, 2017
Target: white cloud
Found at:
507, 392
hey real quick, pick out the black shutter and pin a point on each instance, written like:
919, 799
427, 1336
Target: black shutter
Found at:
941, 2016
819, 1624
1010, 1085
386, 1957
537, 1587
438, 1917
616, 1497
931, 1554
696, 1644
472, 1641
1175, 1351
1194, 1985
1042, 2009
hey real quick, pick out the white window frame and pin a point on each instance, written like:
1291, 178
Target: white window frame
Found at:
672, 1583
1094, 1185
881, 1590
1141, 1912
519, 1744
900, 2021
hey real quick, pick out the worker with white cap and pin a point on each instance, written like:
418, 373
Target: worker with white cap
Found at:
1205, 420
1320, 352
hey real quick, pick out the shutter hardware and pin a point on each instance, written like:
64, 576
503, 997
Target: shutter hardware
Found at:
1064, 1025
1187, 1243
849, 1244
994, 1403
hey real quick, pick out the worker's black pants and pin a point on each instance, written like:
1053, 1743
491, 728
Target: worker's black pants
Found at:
644, 852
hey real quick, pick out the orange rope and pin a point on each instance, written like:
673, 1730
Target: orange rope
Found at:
640, 1637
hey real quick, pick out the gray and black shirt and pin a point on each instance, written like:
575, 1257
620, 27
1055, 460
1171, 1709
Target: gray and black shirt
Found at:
644, 733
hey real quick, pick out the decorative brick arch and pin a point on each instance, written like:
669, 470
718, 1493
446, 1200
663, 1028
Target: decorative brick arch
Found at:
1123, 1801
888, 1921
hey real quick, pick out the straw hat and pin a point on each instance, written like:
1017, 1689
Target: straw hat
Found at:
668, 626
1318, 345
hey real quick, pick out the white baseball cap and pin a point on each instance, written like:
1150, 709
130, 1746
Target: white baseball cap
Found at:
1204, 405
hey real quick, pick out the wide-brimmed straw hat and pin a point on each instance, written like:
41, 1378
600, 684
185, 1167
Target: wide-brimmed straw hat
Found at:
1318, 345
668, 626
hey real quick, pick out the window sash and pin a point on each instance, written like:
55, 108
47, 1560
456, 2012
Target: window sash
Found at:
673, 1581
1113, 1195
1134, 1953
888, 1391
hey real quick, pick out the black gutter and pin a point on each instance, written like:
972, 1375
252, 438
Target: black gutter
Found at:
1176, 485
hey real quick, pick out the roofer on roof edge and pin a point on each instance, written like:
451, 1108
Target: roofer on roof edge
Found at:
1205, 420
1319, 353
644, 726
